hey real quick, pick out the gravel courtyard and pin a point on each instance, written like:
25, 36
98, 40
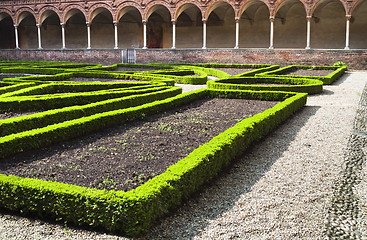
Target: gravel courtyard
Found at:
289, 186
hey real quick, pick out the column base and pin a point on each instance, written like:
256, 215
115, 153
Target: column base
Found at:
271, 47
173, 47
144, 48
203, 48
308, 48
347, 48
236, 47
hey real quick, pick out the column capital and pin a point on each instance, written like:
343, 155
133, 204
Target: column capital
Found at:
309, 18
16, 25
173, 21
144, 21
39, 25
115, 23
348, 17
62, 24
237, 20
88, 24
204, 20
272, 18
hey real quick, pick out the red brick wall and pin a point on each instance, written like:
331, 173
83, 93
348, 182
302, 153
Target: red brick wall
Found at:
356, 59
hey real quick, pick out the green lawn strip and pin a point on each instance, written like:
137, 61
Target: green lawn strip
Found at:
43, 119
134, 212
47, 102
338, 71
311, 86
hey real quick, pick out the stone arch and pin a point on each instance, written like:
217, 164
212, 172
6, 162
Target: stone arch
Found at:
102, 28
182, 6
214, 5
97, 8
254, 25
290, 25
22, 13
189, 26
7, 37
7, 12
75, 27
45, 12
153, 6
159, 26
50, 28
27, 29
328, 25
72, 9
130, 27
124, 8
358, 23
220, 21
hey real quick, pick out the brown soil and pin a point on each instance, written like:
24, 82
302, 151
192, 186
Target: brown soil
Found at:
235, 71
303, 72
124, 157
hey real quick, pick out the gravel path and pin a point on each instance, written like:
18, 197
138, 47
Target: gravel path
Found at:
282, 189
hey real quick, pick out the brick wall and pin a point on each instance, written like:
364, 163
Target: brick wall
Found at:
356, 59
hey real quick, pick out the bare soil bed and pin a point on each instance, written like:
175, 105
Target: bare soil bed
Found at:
304, 72
235, 71
124, 157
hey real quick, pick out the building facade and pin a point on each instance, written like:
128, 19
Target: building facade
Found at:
186, 24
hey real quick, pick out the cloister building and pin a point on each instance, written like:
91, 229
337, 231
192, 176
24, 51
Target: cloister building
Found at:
146, 24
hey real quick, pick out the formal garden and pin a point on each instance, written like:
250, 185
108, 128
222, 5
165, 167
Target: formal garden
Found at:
117, 147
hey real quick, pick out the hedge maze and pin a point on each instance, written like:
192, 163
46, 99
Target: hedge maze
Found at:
54, 102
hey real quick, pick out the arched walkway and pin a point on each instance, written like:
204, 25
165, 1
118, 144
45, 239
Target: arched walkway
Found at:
7, 33
221, 27
254, 26
51, 30
27, 29
358, 27
159, 27
75, 29
130, 28
189, 27
328, 25
102, 29
290, 26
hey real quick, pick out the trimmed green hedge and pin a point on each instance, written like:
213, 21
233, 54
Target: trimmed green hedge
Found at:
42, 119
329, 79
52, 101
310, 86
133, 212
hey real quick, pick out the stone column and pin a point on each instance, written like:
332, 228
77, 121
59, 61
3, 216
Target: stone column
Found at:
237, 20
16, 36
39, 35
308, 42
63, 35
204, 34
88, 33
173, 34
272, 19
145, 34
348, 17
115, 24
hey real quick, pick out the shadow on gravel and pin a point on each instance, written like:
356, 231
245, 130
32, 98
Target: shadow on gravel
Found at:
221, 195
